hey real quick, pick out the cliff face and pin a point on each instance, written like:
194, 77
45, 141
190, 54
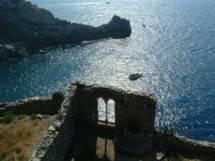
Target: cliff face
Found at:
21, 21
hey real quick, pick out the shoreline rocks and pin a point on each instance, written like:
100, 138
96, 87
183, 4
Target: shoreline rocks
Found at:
13, 50
23, 22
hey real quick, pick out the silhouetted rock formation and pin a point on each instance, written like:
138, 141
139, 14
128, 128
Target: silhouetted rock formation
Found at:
21, 21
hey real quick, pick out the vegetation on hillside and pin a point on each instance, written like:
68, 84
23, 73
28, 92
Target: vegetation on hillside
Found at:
20, 137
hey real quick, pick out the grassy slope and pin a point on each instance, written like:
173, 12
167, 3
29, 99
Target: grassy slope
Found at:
19, 139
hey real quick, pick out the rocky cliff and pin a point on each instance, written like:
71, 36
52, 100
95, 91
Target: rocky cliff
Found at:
23, 23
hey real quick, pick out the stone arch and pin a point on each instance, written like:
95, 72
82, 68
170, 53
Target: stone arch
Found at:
106, 110
110, 96
101, 109
111, 110
87, 110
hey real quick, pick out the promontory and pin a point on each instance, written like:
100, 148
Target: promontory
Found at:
24, 25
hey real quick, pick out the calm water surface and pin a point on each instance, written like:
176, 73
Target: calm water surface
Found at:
175, 52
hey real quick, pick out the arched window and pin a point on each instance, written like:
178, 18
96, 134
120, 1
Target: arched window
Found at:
111, 111
101, 109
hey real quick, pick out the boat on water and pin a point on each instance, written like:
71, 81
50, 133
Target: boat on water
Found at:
135, 76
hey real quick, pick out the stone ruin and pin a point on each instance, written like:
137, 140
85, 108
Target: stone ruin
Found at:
133, 124
133, 116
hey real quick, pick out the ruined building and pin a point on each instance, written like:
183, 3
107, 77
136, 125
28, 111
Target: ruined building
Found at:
132, 119
129, 116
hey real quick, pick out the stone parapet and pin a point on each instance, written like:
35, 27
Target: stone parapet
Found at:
183, 143
133, 110
58, 138
42, 105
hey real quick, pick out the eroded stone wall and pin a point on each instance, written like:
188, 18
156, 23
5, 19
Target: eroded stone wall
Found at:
139, 108
80, 105
42, 105
87, 102
183, 143
58, 138
128, 106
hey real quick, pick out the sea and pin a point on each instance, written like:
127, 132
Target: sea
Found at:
172, 44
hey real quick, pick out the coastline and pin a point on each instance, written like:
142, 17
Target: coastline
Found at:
197, 103
26, 27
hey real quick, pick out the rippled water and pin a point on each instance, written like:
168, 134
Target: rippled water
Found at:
175, 52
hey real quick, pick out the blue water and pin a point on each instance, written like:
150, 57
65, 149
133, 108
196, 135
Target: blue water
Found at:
175, 53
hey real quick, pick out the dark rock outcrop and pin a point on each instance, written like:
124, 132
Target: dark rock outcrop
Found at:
21, 21
13, 50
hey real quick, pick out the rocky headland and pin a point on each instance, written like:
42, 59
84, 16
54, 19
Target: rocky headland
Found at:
24, 27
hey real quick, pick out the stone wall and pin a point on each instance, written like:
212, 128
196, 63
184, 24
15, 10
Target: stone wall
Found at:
87, 102
58, 138
183, 143
128, 106
42, 105
138, 107
80, 105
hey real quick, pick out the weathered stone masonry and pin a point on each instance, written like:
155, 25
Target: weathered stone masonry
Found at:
57, 140
81, 106
42, 105
128, 106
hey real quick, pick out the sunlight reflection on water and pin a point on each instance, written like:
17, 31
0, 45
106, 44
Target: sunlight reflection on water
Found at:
174, 52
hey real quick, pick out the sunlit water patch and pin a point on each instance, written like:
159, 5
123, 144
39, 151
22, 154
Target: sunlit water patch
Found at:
174, 52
